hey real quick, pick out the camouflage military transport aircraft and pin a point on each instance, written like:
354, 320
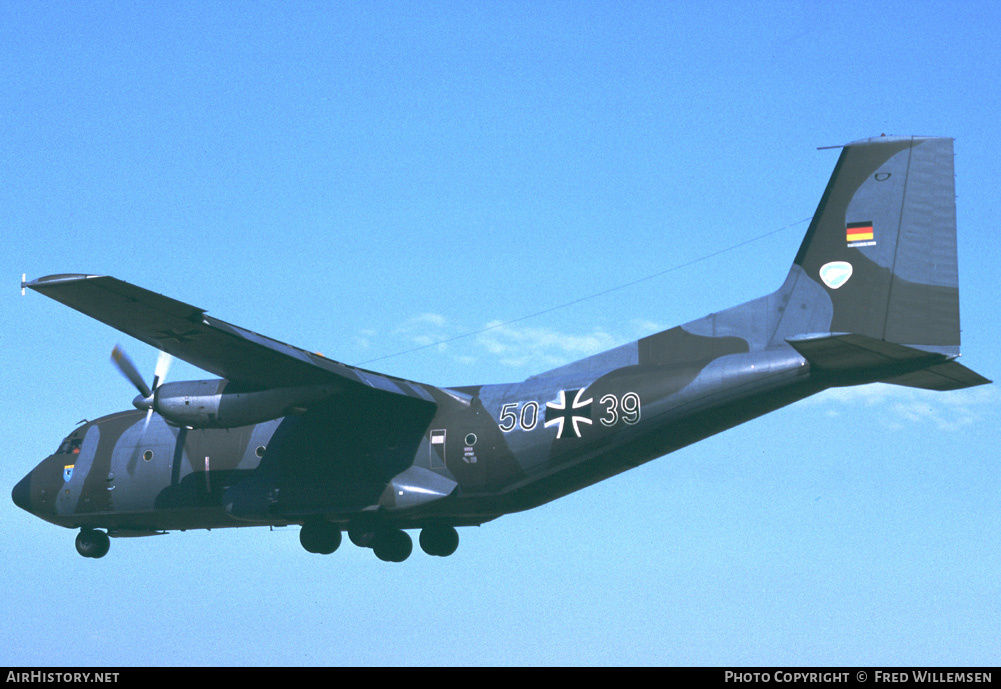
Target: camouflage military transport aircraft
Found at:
285, 436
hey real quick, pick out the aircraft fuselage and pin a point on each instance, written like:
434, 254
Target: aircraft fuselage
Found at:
508, 447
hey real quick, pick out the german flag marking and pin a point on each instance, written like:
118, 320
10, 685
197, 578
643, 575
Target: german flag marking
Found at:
858, 231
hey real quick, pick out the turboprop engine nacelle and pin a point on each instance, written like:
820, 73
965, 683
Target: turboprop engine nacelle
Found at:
223, 404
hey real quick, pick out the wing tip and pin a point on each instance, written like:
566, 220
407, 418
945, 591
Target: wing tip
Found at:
59, 279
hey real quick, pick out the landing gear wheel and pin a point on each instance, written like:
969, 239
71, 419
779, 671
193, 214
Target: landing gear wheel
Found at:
361, 537
439, 540
393, 545
320, 537
363, 531
92, 543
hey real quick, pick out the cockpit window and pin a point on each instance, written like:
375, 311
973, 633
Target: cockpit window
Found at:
70, 446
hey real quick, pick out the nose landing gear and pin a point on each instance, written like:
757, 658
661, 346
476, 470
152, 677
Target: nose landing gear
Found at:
92, 543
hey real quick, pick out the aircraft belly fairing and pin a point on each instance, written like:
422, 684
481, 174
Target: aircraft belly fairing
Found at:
286, 436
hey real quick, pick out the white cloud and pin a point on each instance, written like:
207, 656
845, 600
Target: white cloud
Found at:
642, 328
541, 348
426, 329
363, 340
510, 345
429, 319
902, 406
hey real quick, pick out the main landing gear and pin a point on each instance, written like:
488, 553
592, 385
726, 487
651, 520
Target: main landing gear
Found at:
92, 543
320, 537
388, 544
392, 545
439, 540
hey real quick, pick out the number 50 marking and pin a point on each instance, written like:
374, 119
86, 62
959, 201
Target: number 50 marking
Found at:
528, 418
627, 408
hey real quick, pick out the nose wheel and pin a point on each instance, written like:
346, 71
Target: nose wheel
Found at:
92, 543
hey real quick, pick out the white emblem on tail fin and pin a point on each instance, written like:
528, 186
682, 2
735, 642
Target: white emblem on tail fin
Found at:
836, 273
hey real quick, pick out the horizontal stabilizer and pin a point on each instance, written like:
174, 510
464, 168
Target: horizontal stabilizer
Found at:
852, 359
948, 376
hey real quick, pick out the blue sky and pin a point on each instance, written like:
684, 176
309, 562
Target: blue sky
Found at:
362, 179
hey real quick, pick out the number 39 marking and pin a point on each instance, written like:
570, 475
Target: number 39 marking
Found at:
627, 408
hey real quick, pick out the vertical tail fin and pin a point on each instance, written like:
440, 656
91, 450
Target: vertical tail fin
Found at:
883, 243
879, 260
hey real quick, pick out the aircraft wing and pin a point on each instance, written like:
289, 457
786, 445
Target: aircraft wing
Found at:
186, 332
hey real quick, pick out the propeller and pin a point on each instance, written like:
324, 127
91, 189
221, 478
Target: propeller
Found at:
146, 399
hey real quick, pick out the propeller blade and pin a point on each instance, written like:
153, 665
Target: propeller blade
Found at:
128, 369
163, 362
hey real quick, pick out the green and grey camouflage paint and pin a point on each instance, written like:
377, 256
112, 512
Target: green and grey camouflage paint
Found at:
871, 296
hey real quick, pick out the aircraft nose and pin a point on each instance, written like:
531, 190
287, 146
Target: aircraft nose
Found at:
22, 493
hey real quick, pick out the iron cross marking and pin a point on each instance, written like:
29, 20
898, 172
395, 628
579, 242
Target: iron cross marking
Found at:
559, 413
171, 334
